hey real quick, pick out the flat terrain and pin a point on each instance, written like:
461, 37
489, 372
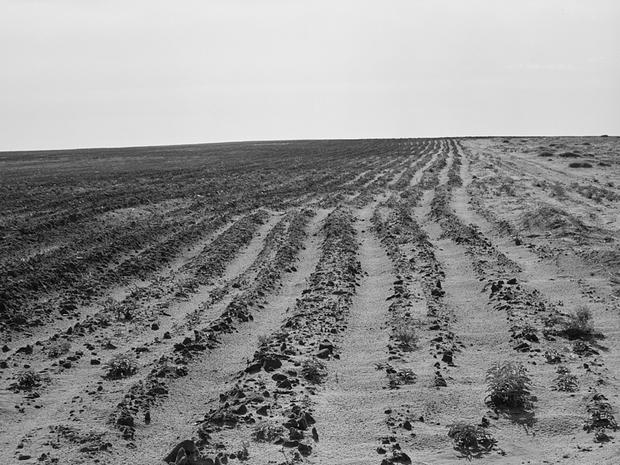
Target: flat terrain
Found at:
424, 301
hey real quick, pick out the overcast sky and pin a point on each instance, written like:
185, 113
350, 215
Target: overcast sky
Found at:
83, 73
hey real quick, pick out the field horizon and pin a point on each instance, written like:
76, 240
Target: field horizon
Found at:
276, 141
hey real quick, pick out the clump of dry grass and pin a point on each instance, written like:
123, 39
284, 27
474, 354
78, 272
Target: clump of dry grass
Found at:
406, 336
508, 386
579, 324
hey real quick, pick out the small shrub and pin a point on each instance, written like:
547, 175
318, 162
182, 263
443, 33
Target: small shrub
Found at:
120, 366
579, 325
584, 164
406, 337
401, 377
470, 440
266, 432
313, 370
601, 415
58, 348
566, 381
508, 386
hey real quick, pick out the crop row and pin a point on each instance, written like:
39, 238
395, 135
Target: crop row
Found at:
527, 311
422, 157
265, 403
146, 393
88, 231
131, 315
413, 257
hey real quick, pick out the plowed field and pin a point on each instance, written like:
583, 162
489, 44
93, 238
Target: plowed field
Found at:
327, 302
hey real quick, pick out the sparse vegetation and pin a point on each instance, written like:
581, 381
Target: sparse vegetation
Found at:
583, 348
601, 417
579, 325
553, 357
406, 336
289, 274
122, 311
400, 377
526, 331
508, 386
565, 380
58, 348
471, 440
598, 194
313, 370
89, 441
267, 432
27, 381
120, 366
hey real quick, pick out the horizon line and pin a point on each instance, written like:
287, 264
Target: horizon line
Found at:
250, 141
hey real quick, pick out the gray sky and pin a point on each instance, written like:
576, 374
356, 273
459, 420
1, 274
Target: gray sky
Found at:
81, 73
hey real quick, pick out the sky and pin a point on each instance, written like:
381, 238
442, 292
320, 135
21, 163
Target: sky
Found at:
104, 73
